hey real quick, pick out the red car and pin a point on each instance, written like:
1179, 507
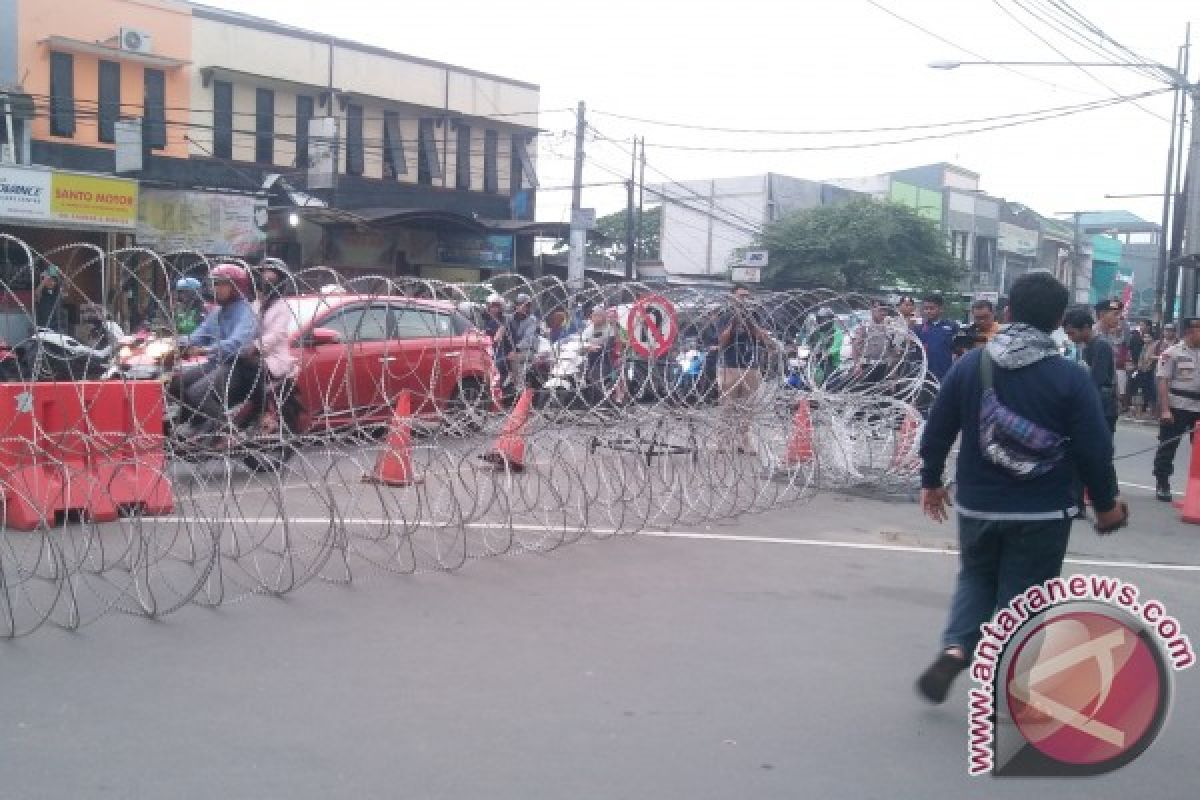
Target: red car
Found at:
357, 353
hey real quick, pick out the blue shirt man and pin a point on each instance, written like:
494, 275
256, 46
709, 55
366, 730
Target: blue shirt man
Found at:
937, 336
226, 331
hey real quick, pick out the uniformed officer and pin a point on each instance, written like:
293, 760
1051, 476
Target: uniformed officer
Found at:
1178, 401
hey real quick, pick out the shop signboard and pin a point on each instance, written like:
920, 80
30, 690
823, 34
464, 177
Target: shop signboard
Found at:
66, 199
207, 222
494, 251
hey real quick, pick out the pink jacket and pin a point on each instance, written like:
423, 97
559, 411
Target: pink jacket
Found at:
273, 334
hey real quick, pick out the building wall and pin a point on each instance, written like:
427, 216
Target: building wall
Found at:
291, 65
703, 222
97, 21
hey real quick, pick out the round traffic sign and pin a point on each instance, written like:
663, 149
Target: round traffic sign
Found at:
652, 325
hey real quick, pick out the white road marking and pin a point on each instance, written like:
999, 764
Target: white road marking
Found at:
1143, 486
716, 537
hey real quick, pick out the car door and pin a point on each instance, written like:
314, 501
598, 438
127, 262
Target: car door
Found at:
348, 377
416, 365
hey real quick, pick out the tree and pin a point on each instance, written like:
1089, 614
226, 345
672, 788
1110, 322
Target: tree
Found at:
863, 245
612, 228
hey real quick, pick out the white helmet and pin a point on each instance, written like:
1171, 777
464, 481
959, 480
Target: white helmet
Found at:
495, 298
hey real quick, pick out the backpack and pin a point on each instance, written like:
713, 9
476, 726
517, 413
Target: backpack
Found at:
1020, 447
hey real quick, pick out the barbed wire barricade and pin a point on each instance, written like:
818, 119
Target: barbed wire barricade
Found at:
147, 466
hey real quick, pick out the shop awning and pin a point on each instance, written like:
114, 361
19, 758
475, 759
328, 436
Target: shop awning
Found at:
65, 44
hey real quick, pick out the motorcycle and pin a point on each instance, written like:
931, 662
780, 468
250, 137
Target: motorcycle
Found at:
241, 433
579, 379
48, 355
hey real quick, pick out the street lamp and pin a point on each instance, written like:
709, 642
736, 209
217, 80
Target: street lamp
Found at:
1191, 223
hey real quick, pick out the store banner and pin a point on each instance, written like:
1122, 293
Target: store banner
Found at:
33, 196
24, 194
207, 222
89, 198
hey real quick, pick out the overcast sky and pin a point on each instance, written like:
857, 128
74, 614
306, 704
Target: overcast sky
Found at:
804, 65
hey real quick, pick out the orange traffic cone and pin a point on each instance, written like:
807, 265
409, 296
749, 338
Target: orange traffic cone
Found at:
800, 443
906, 439
1190, 507
394, 466
509, 448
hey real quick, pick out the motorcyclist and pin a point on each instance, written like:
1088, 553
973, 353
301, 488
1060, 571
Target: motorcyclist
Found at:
521, 332
825, 346
189, 309
206, 389
493, 326
272, 348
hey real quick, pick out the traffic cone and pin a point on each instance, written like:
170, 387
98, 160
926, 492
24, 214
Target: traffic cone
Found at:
800, 443
394, 466
906, 439
1190, 508
509, 448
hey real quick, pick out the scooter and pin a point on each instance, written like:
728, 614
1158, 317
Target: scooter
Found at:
241, 434
48, 355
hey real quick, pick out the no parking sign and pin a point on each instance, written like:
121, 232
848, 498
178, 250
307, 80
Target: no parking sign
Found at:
652, 326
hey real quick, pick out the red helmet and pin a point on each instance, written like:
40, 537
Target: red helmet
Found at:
232, 273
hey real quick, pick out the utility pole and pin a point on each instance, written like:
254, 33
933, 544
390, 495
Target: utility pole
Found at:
1192, 208
641, 200
577, 257
1164, 250
630, 234
1076, 258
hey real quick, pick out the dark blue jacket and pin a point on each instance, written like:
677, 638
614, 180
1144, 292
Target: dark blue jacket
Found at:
1056, 394
938, 338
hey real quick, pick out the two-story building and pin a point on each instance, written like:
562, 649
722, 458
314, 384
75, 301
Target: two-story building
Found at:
257, 138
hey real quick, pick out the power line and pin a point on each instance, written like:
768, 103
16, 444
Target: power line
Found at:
1066, 57
968, 51
842, 131
1093, 106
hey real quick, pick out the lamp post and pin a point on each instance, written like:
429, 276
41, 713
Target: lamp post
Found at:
1191, 223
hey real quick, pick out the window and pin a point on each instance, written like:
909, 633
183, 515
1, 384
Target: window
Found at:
958, 244
491, 179
354, 140
62, 94
429, 166
304, 113
394, 164
264, 126
360, 324
515, 173
462, 158
523, 175
110, 100
985, 253
413, 323
154, 119
222, 119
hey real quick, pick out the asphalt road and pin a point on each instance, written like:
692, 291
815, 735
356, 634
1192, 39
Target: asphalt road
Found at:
770, 657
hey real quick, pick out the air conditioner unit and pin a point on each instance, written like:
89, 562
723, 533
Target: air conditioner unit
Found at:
135, 40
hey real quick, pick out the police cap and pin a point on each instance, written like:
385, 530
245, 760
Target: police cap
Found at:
1109, 305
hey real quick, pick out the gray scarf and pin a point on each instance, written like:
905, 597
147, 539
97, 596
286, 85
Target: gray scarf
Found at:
1019, 345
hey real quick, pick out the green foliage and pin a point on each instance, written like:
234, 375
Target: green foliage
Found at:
612, 227
862, 245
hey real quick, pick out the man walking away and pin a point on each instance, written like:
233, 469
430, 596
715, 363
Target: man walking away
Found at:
1178, 402
1015, 497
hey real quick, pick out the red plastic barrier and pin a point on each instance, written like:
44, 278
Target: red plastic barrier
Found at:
93, 447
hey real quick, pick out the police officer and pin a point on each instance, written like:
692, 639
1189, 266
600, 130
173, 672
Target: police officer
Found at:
1178, 401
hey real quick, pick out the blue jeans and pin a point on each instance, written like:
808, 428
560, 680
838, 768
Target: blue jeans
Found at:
999, 560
